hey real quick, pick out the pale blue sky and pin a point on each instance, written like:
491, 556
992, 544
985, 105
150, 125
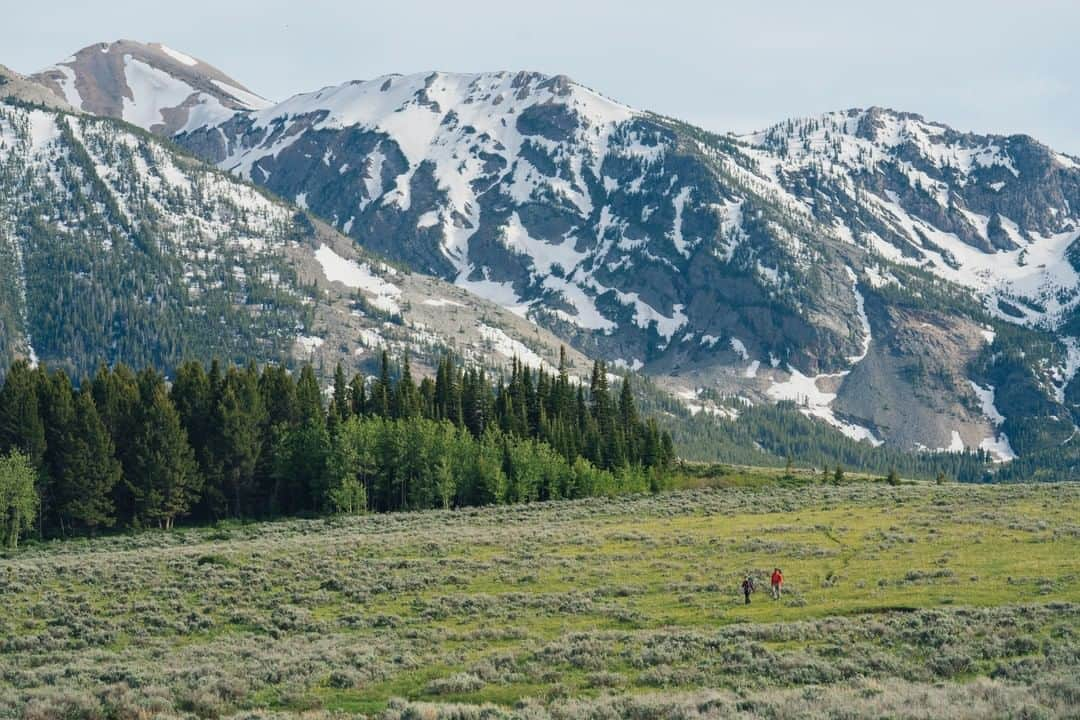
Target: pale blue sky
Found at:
992, 66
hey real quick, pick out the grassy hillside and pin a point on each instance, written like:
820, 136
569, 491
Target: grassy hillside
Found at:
910, 601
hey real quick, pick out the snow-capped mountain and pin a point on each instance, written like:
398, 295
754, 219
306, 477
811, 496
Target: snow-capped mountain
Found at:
114, 247
149, 85
897, 279
534, 192
757, 266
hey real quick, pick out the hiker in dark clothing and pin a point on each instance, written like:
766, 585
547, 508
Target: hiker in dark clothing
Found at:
747, 588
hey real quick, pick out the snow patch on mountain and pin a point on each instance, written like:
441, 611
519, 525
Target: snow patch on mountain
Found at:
586, 315
43, 130
178, 56
500, 293
999, 448
309, 343
543, 254
513, 349
67, 85
646, 315
879, 278
442, 302
691, 399
243, 97
359, 277
997, 444
1064, 375
634, 364
731, 231
152, 91
986, 401
679, 203
814, 402
860, 306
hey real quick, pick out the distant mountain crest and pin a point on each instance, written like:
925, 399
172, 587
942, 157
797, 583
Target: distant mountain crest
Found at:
147, 84
14, 85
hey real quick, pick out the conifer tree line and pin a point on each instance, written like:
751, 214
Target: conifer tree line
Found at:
126, 449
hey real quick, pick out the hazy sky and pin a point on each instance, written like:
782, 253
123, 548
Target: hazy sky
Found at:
993, 66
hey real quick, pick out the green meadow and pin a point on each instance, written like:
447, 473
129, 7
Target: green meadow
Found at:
919, 600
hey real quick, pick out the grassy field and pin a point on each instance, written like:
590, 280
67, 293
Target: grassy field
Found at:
911, 601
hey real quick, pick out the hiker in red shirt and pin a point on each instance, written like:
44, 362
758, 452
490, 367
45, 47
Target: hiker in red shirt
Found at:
777, 583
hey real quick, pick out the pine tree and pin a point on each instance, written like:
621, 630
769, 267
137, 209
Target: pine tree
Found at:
342, 404
357, 396
609, 450
196, 395
58, 414
84, 488
444, 390
116, 397
21, 426
629, 421
667, 449
309, 396
240, 418
381, 391
278, 392
301, 477
165, 478
405, 402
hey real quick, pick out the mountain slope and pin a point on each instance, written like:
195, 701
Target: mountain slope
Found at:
540, 195
994, 214
994, 219
113, 247
147, 84
17, 87
637, 237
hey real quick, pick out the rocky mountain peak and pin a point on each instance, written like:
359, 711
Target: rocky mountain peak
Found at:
147, 84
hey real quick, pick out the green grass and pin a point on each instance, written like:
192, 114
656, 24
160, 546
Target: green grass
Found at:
561, 603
